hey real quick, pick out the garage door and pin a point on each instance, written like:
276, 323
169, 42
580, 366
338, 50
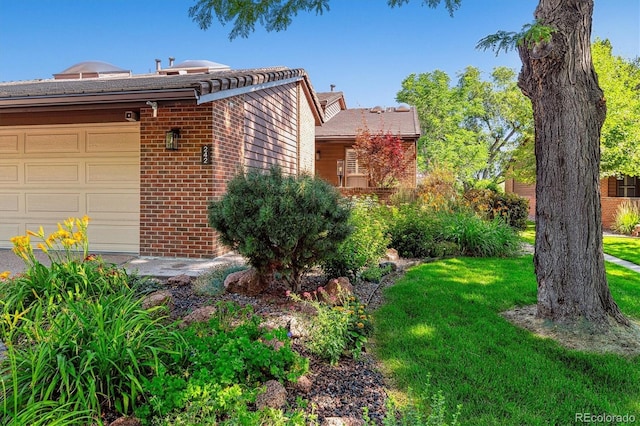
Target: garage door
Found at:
50, 173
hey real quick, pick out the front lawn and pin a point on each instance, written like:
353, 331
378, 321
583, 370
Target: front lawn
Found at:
442, 323
623, 248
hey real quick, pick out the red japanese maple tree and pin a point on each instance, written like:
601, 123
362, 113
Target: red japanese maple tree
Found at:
383, 156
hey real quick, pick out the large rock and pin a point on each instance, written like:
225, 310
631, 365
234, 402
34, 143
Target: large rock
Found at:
125, 421
202, 314
336, 290
636, 231
341, 421
392, 255
274, 396
180, 280
158, 298
245, 282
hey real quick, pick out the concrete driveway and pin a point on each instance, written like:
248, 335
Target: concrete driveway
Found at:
159, 267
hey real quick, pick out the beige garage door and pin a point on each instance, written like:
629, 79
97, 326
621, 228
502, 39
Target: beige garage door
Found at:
50, 173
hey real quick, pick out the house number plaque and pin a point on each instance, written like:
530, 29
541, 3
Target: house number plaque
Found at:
205, 154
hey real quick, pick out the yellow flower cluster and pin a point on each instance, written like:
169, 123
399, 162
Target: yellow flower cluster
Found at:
69, 238
4, 275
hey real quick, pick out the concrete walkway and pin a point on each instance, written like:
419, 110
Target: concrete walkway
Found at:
621, 262
159, 267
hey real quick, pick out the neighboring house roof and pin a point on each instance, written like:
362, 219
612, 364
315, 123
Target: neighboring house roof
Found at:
401, 121
332, 103
204, 87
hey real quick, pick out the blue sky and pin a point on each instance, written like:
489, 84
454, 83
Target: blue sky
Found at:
363, 47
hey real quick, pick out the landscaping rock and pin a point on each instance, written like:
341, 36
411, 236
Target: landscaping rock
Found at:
179, 280
341, 421
158, 298
202, 314
126, 421
336, 289
636, 231
245, 282
299, 328
274, 396
304, 384
392, 255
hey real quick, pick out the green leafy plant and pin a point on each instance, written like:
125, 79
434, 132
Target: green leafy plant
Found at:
375, 273
627, 217
413, 231
281, 224
365, 245
229, 357
336, 330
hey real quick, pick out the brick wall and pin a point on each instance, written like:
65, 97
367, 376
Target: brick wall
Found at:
175, 188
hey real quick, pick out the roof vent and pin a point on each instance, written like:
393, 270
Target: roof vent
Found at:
192, 67
91, 69
403, 108
376, 110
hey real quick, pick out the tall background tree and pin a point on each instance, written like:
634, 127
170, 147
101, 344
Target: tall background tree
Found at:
568, 108
471, 128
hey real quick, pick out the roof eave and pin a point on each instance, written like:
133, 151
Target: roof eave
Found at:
98, 98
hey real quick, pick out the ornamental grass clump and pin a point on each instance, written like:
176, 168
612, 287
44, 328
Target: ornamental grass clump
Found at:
78, 341
627, 217
284, 225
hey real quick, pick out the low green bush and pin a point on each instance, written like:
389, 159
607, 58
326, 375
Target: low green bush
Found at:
281, 224
365, 245
413, 231
490, 204
477, 237
627, 217
229, 357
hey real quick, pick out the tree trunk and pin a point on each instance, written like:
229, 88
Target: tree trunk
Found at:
569, 109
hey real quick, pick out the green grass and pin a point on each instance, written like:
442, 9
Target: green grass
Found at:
623, 248
442, 319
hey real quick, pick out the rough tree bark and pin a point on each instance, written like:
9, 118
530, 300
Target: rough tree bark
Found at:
569, 109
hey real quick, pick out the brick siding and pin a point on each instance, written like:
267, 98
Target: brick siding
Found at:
175, 188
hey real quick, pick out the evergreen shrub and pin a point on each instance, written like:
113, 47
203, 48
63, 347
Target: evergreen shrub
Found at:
282, 224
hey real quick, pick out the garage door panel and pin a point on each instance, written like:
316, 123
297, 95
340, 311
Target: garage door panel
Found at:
111, 142
53, 203
114, 206
9, 203
52, 143
9, 144
120, 237
9, 173
39, 173
112, 172
8, 231
55, 172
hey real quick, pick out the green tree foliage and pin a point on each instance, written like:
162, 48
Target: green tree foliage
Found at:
282, 224
273, 15
473, 127
620, 81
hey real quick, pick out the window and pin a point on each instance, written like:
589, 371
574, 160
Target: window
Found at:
627, 185
356, 175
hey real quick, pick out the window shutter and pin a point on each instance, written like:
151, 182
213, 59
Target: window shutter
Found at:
352, 162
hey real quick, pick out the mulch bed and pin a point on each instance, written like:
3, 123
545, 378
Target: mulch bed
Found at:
342, 390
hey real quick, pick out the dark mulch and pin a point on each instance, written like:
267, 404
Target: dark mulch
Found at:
342, 390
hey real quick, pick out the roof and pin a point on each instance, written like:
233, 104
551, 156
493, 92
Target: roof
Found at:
203, 88
402, 121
